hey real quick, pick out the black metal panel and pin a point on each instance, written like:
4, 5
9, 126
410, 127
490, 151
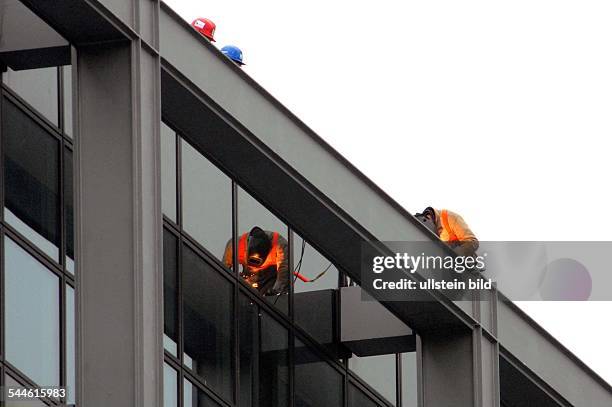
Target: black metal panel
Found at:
79, 21
36, 58
519, 390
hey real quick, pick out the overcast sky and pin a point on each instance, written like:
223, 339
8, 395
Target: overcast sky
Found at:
500, 111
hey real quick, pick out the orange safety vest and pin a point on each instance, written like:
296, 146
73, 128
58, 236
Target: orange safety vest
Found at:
243, 249
452, 237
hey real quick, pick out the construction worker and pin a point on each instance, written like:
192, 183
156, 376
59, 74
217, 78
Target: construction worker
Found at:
234, 53
205, 27
450, 228
264, 259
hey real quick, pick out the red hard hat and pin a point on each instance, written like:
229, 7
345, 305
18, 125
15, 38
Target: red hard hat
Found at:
205, 27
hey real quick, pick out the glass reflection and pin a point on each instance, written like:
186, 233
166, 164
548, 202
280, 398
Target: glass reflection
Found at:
358, 399
207, 201
379, 372
31, 179
207, 311
316, 382
70, 346
39, 87
194, 397
168, 171
32, 316
170, 293
170, 386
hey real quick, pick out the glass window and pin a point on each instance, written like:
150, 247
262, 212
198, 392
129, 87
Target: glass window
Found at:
409, 380
358, 399
248, 331
10, 382
273, 364
379, 372
31, 179
312, 264
69, 209
316, 382
38, 87
264, 344
194, 397
250, 214
170, 293
32, 316
207, 201
70, 346
170, 386
314, 301
67, 85
207, 314
168, 171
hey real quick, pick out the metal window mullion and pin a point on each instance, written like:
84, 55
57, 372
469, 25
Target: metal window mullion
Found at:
236, 295
2, 186
2, 296
179, 181
60, 99
398, 379
63, 352
291, 336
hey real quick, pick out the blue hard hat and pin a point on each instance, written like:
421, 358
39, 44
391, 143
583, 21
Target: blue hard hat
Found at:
234, 53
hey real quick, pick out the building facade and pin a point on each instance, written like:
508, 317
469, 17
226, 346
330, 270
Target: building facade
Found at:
127, 168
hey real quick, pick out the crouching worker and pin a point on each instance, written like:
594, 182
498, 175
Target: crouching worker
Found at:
264, 260
451, 229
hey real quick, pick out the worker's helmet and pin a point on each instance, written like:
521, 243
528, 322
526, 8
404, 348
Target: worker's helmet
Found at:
234, 53
205, 27
428, 218
259, 246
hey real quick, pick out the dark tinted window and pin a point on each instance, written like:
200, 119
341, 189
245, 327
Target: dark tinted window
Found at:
195, 397
168, 171
358, 399
31, 179
273, 364
316, 382
264, 344
248, 331
69, 209
207, 311
314, 299
170, 293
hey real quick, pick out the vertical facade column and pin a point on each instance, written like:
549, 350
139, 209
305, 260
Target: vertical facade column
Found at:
462, 368
118, 226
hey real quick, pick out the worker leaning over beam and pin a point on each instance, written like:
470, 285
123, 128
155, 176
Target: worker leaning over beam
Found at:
264, 258
450, 228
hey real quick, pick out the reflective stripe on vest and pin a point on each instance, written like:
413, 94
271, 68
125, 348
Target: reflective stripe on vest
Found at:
452, 237
243, 255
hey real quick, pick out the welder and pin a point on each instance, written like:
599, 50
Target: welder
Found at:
451, 229
263, 256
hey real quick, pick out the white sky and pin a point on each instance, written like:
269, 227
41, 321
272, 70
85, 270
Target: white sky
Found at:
500, 111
